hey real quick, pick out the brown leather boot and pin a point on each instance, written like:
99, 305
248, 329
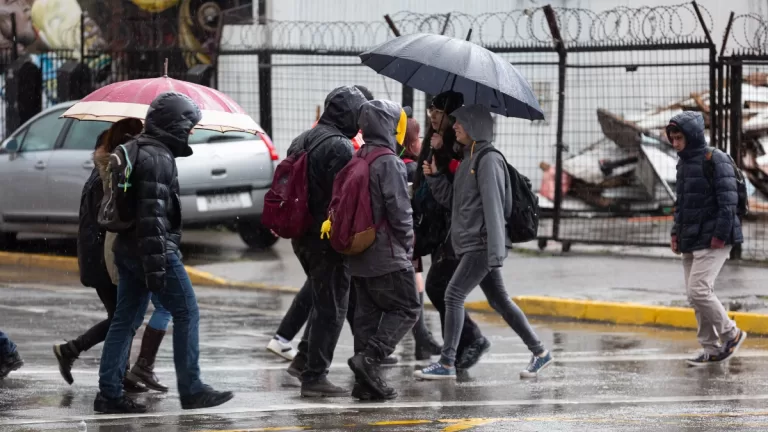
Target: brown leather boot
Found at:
143, 370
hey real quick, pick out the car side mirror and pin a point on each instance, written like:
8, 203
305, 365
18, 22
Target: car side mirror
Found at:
11, 146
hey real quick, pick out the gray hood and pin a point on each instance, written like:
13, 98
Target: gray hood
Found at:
170, 118
477, 121
378, 122
342, 106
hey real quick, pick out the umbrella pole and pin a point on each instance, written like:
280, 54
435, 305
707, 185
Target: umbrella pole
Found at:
165, 68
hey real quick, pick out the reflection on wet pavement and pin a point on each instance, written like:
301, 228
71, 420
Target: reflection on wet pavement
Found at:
606, 378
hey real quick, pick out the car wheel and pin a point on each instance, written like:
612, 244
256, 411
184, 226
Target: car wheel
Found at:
255, 235
7, 240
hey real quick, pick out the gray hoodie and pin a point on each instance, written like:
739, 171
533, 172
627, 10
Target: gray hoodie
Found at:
481, 199
393, 247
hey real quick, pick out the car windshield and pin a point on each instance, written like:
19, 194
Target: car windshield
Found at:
204, 136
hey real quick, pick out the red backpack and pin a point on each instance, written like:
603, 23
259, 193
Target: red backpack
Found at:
286, 204
350, 224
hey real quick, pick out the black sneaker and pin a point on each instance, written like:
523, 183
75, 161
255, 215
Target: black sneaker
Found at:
208, 398
297, 366
705, 359
426, 351
363, 392
65, 358
733, 345
389, 361
322, 388
10, 363
367, 372
472, 354
122, 405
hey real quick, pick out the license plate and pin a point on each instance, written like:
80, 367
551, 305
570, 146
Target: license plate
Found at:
224, 201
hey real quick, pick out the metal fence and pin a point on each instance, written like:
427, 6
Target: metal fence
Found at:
608, 83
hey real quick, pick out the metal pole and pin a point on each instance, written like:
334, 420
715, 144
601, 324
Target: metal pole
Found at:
14, 43
265, 74
736, 122
560, 147
407, 99
82, 37
712, 74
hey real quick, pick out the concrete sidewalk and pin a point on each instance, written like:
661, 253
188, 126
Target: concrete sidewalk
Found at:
651, 281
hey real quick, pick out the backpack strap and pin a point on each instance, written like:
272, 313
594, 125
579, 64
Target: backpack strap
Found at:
376, 153
483, 153
320, 136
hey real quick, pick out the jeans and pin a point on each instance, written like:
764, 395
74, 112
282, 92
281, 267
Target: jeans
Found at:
7, 346
387, 308
439, 276
178, 297
298, 313
701, 269
328, 277
473, 270
160, 317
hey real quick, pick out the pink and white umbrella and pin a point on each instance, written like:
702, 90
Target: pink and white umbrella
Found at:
131, 99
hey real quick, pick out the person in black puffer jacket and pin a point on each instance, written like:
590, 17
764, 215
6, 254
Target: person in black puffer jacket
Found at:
706, 225
148, 261
432, 225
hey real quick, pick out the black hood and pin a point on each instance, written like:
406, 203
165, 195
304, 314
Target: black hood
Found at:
170, 118
342, 108
691, 124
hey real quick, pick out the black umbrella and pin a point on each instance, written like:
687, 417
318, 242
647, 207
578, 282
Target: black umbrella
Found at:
434, 63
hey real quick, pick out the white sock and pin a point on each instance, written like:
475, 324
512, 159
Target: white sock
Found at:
544, 354
282, 339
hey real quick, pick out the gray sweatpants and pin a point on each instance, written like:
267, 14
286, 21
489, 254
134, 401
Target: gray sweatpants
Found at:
472, 271
701, 269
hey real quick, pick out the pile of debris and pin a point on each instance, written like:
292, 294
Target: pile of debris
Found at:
633, 169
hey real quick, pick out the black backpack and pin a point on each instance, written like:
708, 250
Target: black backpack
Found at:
431, 222
523, 223
742, 208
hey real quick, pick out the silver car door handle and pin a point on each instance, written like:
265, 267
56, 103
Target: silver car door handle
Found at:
88, 164
40, 165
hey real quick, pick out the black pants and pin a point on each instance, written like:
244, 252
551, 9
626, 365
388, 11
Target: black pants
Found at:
328, 277
386, 310
96, 334
298, 313
441, 271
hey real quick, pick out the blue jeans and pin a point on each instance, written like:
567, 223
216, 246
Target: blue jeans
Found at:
7, 346
160, 317
132, 300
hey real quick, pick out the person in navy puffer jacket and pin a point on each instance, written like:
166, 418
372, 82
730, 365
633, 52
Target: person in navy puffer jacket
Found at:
706, 226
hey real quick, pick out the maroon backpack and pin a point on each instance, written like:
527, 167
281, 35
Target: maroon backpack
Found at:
350, 215
286, 204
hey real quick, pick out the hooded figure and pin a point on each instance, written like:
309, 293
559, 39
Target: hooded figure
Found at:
481, 203
169, 121
706, 225
481, 194
393, 248
387, 302
702, 214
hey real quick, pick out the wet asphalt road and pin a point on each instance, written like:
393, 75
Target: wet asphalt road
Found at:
606, 378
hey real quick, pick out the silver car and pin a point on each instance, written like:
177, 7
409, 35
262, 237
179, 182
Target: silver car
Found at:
45, 163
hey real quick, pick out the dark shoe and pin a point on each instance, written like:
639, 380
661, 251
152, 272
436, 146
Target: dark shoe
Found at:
363, 392
322, 388
208, 398
133, 387
427, 350
367, 372
705, 359
66, 355
143, 373
389, 361
122, 405
733, 345
297, 366
10, 363
472, 354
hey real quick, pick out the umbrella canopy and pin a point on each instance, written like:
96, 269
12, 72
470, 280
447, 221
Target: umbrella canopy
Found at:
132, 98
435, 63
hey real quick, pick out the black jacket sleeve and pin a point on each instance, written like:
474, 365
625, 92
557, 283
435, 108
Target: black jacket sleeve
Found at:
153, 177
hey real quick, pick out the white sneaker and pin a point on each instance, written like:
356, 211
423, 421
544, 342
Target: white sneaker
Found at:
284, 350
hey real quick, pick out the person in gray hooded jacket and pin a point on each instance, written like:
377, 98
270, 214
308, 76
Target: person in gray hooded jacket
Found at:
481, 201
387, 299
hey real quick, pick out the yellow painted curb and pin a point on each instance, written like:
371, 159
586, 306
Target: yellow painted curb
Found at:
69, 264
622, 313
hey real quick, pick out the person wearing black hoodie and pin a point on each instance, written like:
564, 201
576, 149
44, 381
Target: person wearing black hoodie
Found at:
148, 261
432, 222
326, 269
